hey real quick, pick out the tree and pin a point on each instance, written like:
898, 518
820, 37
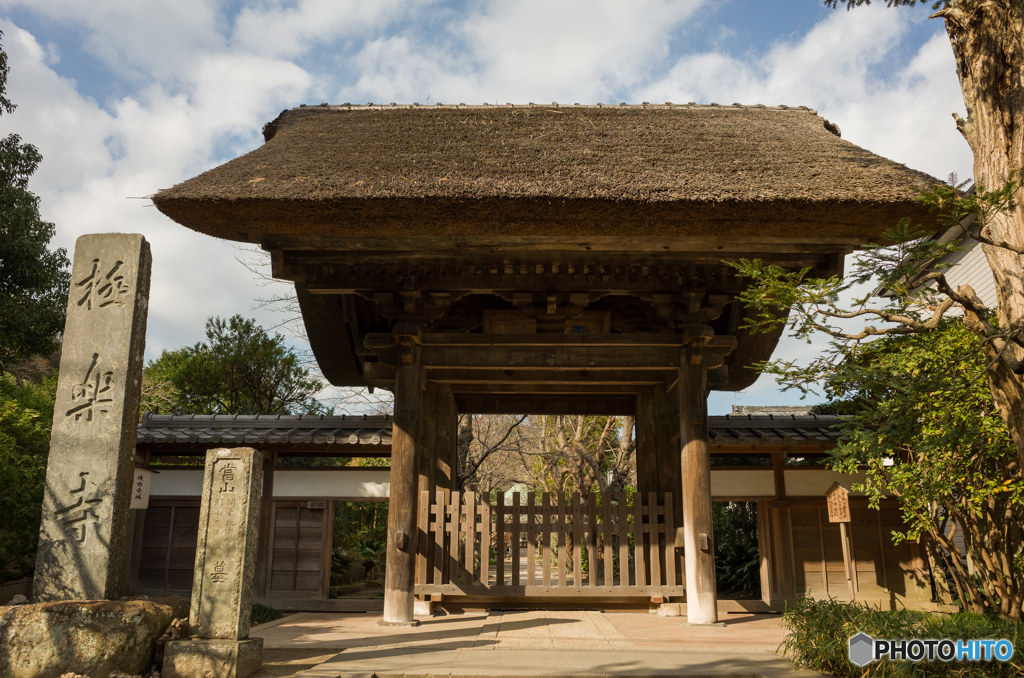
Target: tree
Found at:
924, 424
26, 414
986, 37
241, 369
33, 279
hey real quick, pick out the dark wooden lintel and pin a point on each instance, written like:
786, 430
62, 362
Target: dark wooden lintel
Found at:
544, 404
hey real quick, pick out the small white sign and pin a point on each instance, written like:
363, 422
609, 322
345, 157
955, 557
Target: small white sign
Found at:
140, 488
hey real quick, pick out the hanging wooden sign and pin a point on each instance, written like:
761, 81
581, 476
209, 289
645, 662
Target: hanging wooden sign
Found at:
837, 498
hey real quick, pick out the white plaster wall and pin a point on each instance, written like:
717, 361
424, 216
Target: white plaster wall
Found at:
362, 484
742, 483
176, 483
804, 482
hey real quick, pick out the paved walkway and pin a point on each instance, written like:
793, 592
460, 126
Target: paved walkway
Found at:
531, 643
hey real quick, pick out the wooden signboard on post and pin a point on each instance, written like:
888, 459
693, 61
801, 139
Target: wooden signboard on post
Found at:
837, 498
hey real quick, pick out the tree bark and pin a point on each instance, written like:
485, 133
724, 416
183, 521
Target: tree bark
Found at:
987, 37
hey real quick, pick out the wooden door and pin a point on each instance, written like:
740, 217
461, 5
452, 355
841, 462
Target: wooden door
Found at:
301, 554
167, 553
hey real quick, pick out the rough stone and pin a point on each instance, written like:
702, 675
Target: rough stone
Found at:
94, 638
84, 530
226, 549
18, 600
213, 658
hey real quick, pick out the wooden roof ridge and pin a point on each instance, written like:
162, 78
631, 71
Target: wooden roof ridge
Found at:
270, 129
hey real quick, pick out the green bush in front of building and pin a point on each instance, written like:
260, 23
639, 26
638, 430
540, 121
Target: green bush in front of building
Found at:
819, 633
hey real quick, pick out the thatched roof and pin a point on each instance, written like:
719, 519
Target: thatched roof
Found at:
661, 170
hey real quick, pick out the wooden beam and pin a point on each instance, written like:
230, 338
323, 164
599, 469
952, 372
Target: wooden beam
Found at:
462, 245
549, 591
553, 340
545, 404
471, 389
534, 378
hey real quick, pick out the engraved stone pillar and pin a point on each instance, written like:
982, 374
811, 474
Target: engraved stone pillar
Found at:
225, 563
84, 530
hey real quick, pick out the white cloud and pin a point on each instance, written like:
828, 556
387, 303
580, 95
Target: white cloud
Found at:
834, 69
528, 50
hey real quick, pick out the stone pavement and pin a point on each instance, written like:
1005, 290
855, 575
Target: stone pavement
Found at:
529, 643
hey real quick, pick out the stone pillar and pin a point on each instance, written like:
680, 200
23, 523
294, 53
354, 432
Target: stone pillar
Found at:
84, 531
701, 587
400, 572
225, 558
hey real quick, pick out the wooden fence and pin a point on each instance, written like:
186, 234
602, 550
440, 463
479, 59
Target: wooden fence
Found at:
596, 544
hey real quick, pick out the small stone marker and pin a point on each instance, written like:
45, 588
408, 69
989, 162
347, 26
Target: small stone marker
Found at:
225, 562
84, 531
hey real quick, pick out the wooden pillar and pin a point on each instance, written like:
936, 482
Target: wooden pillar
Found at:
782, 534
427, 449
646, 443
261, 587
399, 577
445, 451
701, 593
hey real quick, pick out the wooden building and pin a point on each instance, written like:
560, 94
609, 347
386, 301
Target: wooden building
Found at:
545, 259
800, 550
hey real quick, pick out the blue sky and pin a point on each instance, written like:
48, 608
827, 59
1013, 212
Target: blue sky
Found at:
124, 97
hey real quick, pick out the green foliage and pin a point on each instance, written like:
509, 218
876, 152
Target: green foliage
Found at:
819, 632
737, 558
240, 369
261, 614
925, 426
26, 413
360, 542
33, 279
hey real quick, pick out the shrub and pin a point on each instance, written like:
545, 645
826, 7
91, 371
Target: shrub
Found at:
820, 631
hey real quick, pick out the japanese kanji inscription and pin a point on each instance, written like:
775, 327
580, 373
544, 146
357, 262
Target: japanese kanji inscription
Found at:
226, 548
90, 470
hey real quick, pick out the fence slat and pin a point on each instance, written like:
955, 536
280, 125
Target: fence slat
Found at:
638, 539
531, 539
655, 558
577, 539
453, 536
499, 539
561, 540
470, 536
422, 535
485, 538
592, 556
670, 541
516, 581
623, 540
606, 563
545, 538
439, 554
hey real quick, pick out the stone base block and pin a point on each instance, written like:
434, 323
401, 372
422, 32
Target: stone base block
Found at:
213, 658
424, 608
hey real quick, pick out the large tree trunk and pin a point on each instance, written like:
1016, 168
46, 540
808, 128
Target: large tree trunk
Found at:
988, 42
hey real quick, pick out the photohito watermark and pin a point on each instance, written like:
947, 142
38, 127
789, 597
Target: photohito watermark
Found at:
864, 649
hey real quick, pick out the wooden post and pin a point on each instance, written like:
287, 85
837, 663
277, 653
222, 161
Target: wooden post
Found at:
445, 445
261, 589
837, 499
399, 577
701, 593
427, 450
